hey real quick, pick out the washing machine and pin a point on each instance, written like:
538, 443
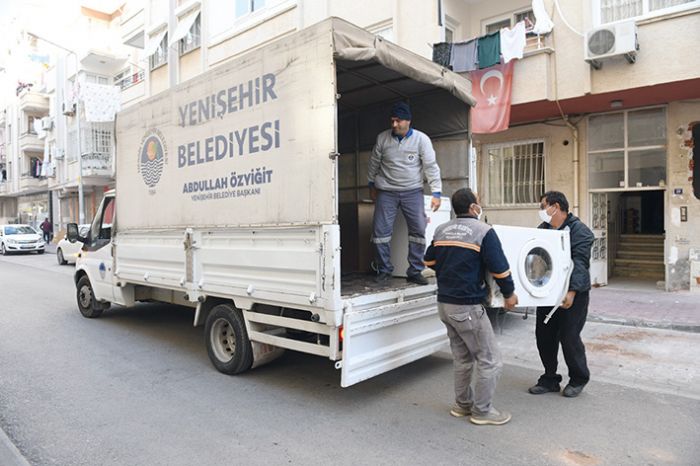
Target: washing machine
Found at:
540, 264
399, 238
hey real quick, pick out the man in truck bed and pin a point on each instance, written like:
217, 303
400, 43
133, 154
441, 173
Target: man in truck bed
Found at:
399, 159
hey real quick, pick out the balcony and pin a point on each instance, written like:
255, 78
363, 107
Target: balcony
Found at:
29, 184
33, 102
97, 164
30, 142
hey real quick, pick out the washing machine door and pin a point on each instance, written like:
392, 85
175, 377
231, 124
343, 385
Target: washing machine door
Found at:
540, 264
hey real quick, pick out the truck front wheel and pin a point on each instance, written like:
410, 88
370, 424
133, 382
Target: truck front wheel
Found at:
227, 340
86, 299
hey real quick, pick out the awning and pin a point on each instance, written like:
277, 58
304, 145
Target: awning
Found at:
153, 42
183, 27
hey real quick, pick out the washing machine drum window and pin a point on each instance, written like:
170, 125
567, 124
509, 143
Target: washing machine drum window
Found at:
538, 267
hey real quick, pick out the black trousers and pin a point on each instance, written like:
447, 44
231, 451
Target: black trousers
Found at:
563, 328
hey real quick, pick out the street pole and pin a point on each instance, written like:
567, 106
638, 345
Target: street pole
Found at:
81, 201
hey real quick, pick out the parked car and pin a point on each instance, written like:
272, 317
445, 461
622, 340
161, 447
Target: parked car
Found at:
67, 252
20, 238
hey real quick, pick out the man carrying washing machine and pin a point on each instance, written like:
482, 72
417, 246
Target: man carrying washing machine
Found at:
567, 322
461, 252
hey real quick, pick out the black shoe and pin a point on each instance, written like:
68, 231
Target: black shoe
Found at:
382, 279
572, 391
418, 279
541, 389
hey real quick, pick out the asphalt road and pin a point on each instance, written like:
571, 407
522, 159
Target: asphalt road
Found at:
135, 387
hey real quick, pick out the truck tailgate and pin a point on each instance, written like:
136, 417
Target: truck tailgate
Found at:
382, 338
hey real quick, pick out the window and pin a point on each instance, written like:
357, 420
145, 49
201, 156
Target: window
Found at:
507, 21
160, 56
627, 149
449, 35
616, 10
497, 26
30, 124
96, 79
243, 7
192, 39
515, 173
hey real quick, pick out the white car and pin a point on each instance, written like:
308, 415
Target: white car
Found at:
67, 252
20, 238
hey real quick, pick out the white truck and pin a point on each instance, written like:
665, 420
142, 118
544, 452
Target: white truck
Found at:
242, 194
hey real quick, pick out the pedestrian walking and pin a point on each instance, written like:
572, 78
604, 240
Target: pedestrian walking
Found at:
462, 251
564, 328
401, 157
47, 228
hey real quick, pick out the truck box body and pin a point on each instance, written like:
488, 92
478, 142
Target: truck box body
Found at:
229, 187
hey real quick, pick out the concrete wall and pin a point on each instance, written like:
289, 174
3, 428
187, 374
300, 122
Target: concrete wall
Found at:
558, 169
680, 236
159, 79
190, 65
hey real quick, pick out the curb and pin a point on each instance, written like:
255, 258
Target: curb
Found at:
9, 454
692, 328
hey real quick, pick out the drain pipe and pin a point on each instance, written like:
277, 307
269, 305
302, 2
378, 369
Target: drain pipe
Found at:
572, 128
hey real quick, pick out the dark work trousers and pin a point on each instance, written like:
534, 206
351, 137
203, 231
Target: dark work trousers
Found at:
386, 208
564, 327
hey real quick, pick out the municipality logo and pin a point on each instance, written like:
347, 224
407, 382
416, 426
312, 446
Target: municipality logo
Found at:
153, 156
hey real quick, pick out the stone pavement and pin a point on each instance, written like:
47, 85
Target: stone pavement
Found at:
641, 304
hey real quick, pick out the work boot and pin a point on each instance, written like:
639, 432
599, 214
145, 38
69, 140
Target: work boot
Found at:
418, 279
572, 391
493, 417
382, 279
540, 389
458, 411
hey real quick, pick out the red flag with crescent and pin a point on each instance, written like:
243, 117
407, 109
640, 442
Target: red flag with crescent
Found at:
491, 88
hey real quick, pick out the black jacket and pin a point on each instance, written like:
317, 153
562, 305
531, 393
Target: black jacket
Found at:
581, 242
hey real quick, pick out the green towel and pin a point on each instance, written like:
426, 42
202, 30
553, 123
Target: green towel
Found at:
489, 50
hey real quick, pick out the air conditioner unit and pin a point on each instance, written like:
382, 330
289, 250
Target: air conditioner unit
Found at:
611, 41
47, 123
68, 108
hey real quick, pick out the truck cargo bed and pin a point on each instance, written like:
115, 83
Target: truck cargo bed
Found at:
356, 284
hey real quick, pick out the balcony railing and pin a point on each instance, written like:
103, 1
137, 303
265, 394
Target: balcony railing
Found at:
33, 101
97, 164
130, 80
28, 182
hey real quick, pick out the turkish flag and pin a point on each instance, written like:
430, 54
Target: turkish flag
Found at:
491, 88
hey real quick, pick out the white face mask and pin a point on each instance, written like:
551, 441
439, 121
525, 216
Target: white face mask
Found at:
481, 212
544, 216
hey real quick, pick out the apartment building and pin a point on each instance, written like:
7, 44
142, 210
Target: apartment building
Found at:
614, 134
60, 148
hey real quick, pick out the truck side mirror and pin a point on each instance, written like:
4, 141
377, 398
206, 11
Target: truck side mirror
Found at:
72, 234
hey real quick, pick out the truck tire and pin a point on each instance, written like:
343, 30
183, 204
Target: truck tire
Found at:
3, 251
227, 340
59, 257
86, 299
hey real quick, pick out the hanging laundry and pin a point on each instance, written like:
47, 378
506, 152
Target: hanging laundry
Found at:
489, 50
465, 56
513, 42
543, 23
441, 53
101, 102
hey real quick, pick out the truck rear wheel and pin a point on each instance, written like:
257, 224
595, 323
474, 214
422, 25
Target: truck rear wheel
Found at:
227, 340
87, 304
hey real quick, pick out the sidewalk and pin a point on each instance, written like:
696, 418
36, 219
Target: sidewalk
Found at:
642, 304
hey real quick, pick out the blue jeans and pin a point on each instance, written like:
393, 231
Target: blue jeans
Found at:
385, 210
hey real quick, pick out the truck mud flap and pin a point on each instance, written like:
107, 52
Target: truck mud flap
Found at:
380, 339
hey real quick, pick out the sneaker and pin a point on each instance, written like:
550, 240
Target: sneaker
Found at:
572, 391
540, 389
458, 411
418, 279
382, 279
493, 418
